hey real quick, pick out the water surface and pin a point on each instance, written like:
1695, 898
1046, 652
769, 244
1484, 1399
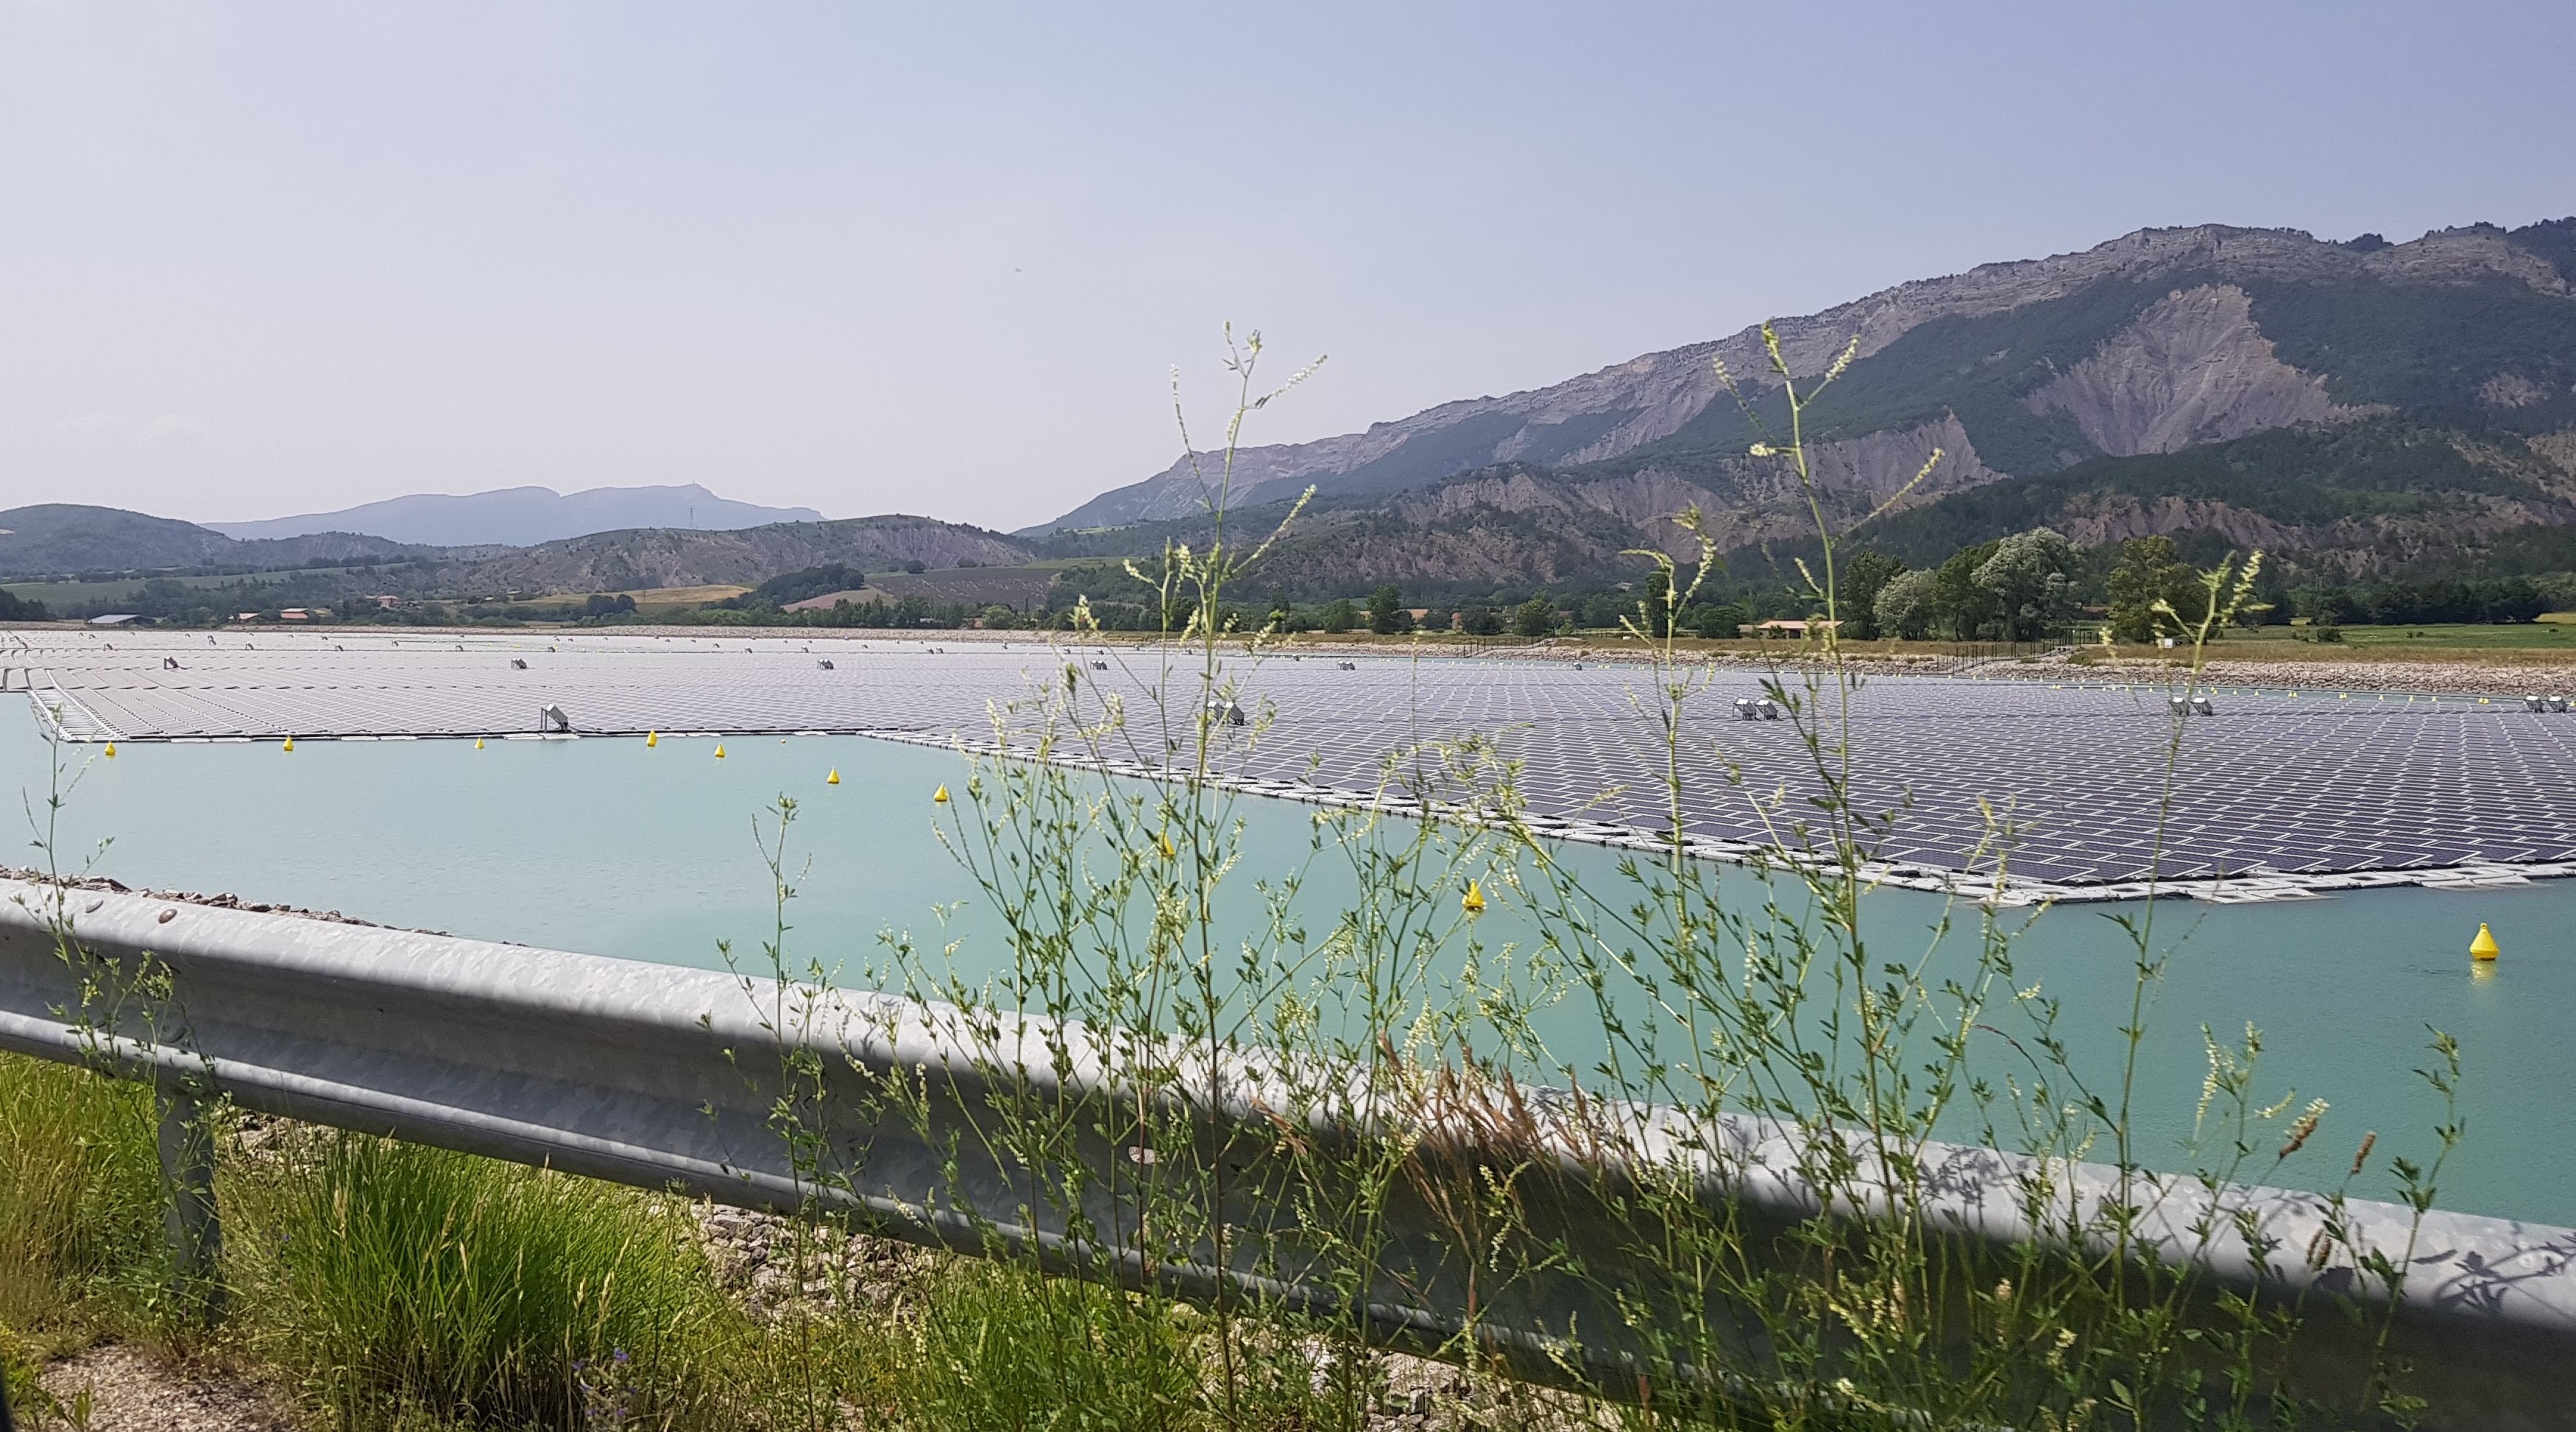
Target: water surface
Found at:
608, 847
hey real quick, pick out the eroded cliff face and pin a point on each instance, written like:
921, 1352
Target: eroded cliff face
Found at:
1879, 465
2196, 367
1457, 531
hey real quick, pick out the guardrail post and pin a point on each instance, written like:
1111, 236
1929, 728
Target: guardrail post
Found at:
196, 1237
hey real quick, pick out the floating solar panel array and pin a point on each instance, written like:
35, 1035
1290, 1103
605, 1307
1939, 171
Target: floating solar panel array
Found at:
2274, 793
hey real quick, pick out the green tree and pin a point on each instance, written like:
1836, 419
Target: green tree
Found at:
2151, 571
1714, 623
1000, 618
1959, 605
1857, 587
1534, 618
1340, 616
2028, 578
1659, 603
1483, 621
1905, 606
1387, 614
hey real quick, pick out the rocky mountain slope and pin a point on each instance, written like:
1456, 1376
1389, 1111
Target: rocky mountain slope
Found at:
2154, 343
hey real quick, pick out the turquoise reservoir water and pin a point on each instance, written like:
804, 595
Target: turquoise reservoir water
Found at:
608, 847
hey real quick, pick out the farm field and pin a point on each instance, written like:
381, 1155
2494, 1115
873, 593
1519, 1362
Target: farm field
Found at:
2556, 631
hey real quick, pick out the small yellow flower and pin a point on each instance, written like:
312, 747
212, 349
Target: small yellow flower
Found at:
1163, 841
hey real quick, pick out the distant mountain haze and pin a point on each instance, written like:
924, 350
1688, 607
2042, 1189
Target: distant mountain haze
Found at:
525, 516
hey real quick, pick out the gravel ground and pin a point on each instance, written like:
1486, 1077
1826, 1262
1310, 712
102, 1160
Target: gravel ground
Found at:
131, 1390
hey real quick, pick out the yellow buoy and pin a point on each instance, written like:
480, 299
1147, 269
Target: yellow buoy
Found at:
111, 750
719, 750
939, 796
289, 746
478, 743
1474, 901
2484, 946
652, 738
833, 779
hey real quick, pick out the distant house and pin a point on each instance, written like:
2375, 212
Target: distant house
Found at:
295, 614
1776, 627
118, 619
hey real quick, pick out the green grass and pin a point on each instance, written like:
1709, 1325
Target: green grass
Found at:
2551, 633
80, 1200
2464, 637
396, 1281
406, 1289
999, 1349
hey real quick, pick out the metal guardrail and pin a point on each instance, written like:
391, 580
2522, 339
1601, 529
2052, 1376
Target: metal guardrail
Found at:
658, 1077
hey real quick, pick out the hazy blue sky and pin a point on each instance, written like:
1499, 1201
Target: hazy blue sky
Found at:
266, 258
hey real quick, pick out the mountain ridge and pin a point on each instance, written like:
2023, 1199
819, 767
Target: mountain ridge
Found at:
1657, 398
523, 516
54, 538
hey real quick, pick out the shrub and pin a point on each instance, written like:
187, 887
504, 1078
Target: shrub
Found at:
1534, 618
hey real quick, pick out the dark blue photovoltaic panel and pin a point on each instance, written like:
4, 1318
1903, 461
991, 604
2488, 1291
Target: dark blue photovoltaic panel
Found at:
2275, 781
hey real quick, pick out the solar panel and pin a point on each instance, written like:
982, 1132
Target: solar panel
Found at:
2280, 781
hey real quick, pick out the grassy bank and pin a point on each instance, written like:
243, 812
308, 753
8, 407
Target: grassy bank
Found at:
392, 1288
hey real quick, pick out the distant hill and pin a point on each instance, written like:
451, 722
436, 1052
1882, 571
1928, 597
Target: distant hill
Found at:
2360, 407
61, 538
525, 516
668, 557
